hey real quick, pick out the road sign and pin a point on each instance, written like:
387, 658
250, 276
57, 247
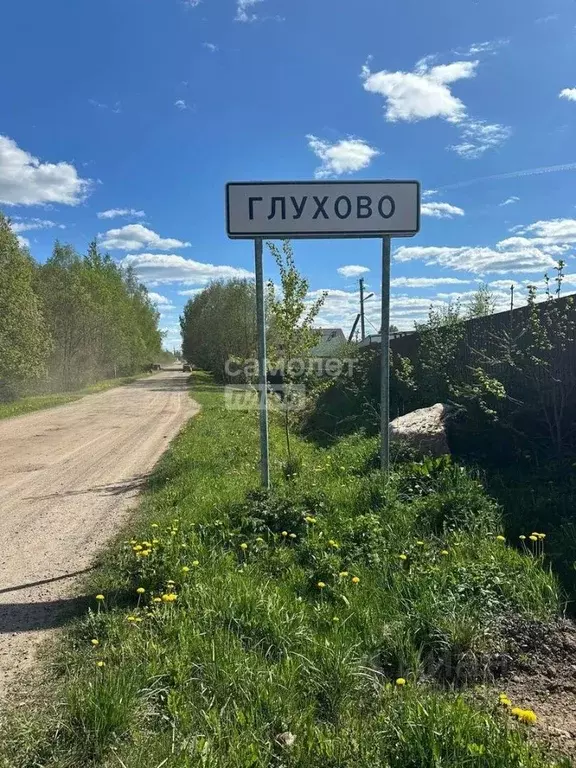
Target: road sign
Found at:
322, 209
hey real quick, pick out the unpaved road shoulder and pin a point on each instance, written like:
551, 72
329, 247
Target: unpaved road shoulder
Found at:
68, 476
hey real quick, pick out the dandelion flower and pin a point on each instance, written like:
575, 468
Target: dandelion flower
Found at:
185, 569
343, 574
293, 536
154, 525
133, 541
528, 716
355, 580
260, 540
170, 582
140, 590
400, 681
169, 597
195, 563
522, 537
244, 546
100, 663
541, 535
157, 600
420, 543
145, 552
504, 700
138, 548
403, 557
99, 597
500, 538
130, 618
533, 538
444, 552
155, 541
284, 533
310, 519
95, 642
320, 585
335, 618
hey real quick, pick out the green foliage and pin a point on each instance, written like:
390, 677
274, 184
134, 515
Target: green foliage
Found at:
253, 651
219, 324
24, 341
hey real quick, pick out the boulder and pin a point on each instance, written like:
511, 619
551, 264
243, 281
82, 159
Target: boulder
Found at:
423, 430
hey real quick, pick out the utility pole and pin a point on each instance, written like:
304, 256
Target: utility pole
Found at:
362, 327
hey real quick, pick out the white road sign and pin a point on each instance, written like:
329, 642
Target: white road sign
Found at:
322, 209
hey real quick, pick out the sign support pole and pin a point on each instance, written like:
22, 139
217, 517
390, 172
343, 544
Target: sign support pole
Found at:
385, 360
262, 364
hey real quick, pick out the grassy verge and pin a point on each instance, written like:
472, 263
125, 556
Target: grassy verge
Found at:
40, 402
340, 622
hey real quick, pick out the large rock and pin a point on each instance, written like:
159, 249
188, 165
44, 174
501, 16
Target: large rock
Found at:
423, 430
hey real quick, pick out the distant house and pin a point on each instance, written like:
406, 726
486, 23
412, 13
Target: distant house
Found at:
330, 342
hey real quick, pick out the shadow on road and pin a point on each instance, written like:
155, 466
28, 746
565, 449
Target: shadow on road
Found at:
132, 485
27, 617
161, 383
45, 581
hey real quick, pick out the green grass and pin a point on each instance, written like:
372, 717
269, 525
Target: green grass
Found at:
40, 402
252, 647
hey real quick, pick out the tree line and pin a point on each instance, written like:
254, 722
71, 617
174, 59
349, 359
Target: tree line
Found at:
71, 321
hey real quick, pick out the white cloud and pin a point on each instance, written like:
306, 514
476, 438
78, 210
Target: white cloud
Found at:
181, 104
244, 10
568, 93
426, 282
510, 201
23, 242
190, 292
116, 107
426, 93
114, 213
134, 237
429, 193
212, 47
478, 136
352, 270
24, 180
421, 94
479, 260
504, 285
559, 232
345, 156
162, 302
18, 224
157, 269
441, 210
489, 46
546, 19
513, 175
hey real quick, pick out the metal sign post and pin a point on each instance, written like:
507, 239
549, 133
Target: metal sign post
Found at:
262, 364
323, 209
385, 359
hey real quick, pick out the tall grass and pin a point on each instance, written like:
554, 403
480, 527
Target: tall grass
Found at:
294, 616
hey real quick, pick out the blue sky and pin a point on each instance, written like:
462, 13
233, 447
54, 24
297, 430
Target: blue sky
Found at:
124, 119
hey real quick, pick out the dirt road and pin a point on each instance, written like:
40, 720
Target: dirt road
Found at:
68, 475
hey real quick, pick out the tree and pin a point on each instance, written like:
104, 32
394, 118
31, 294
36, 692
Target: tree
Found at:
482, 303
24, 339
291, 318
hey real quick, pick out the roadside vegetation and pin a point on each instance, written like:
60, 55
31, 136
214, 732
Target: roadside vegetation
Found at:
70, 322
341, 621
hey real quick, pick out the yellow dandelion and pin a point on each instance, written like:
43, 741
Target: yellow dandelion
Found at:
500, 538
400, 681
95, 642
310, 519
420, 543
147, 544
195, 563
335, 618
154, 525
444, 552
522, 538
403, 557
343, 574
156, 599
284, 533
320, 585
130, 618
145, 552
244, 546
138, 619
170, 582
504, 700
185, 569
100, 663
155, 541
99, 597
355, 580
169, 597
533, 538
528, 716
293, 536
260, 540
140, 590
138, 548
541, 535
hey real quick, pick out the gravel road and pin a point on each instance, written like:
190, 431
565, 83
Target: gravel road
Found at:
68, 477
